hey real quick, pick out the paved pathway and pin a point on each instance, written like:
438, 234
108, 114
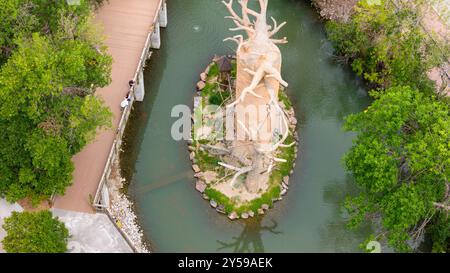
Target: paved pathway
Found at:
92, 233
126, 26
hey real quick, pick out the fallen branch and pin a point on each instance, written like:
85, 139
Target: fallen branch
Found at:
239, 171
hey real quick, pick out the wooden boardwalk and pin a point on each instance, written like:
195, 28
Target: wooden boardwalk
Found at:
126, 25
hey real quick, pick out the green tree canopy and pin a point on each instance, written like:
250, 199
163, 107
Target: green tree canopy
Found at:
20, 18
401, 161
35, 232
48, 113
386, 46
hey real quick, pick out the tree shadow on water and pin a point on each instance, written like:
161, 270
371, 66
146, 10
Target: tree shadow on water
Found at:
250, 239
336, 236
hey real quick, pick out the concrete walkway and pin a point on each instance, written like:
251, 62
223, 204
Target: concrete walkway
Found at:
126, 26
92, 233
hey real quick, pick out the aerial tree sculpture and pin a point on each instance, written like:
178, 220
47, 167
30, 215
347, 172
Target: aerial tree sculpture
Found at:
258, 82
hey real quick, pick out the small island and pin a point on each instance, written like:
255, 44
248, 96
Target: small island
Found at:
244, 142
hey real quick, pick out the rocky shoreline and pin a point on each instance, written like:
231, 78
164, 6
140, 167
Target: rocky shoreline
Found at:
204, 177
121, 210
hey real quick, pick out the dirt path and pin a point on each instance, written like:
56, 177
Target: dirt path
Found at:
126, 25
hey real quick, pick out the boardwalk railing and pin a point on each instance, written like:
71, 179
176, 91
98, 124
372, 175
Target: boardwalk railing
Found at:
100, 203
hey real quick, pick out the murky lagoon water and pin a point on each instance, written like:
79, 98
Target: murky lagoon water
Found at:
309, 219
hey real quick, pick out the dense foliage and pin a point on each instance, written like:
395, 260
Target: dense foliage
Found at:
53, 63
22, 17
35, 232
385, 46
401, 160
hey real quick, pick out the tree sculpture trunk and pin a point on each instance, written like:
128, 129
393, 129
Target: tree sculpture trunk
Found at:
258, 81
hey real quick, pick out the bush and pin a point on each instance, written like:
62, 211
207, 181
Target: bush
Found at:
35, 232
401, 161
385, 46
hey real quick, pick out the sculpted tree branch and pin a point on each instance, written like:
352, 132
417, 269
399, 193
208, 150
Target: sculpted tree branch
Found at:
239, 171
259, 57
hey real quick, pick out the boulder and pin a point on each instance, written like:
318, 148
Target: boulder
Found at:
220, 209
206, 197
201, 85
265, 206
191, 148
200, 186
196, 168
192, 155
251, 213
244, 215
283, 192
233, 216
203, 76
286, 180
213, 203
260, 211
284, 186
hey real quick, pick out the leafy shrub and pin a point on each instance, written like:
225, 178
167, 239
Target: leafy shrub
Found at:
386, 46
35, 232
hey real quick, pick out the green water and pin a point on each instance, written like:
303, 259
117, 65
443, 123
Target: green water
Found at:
309, 219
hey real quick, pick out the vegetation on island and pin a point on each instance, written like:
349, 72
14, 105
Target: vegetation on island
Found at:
34, 232
52, 60
400, 158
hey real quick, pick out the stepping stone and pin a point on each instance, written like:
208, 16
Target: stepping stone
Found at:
200, 186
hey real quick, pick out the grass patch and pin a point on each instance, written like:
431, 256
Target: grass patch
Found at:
206, 161
221, 199
213, 71
282, 96
218, 97
284, 168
